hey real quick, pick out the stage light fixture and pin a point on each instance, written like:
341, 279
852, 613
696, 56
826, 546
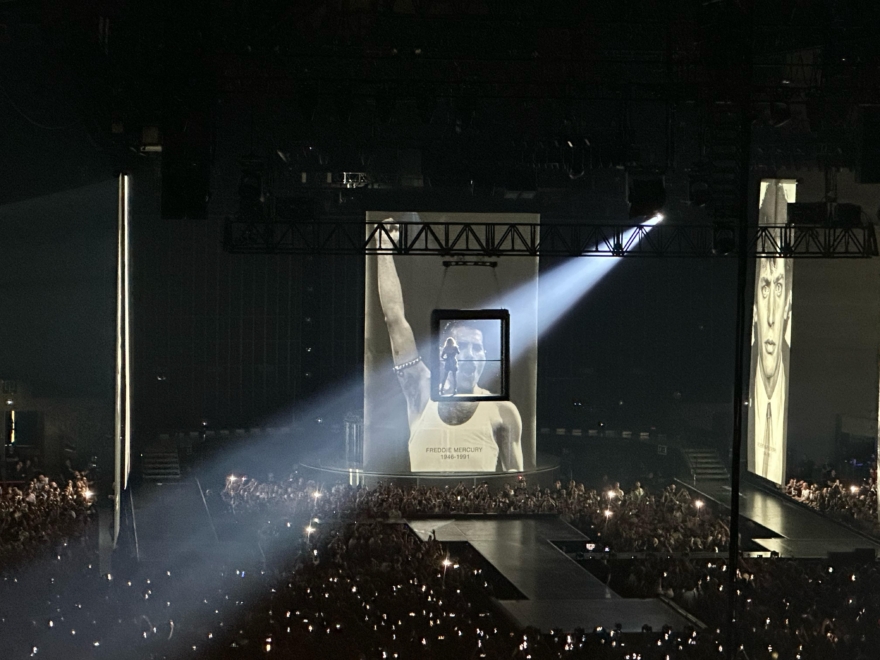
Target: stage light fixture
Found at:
723, 238
785, 246
646, 196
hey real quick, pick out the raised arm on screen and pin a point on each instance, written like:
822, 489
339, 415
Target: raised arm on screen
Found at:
509, 438
413, 375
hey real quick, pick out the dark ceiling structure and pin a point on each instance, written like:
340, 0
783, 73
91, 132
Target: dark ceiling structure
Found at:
332, 236
537, 102
272, 126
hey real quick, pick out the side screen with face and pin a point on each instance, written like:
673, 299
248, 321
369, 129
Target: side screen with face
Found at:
772, 307
771, 337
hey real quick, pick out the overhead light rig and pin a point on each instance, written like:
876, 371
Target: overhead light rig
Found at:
350, 236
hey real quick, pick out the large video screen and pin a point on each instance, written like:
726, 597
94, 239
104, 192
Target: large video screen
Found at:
771, 343
450, 355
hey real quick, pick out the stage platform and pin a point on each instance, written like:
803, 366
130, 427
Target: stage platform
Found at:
798, 532
334, 470
559, 593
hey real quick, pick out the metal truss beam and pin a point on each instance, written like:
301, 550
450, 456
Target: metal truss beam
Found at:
346, 237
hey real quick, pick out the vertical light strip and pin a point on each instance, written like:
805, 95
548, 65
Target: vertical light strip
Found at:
877, 461
12, 427
117, 426
127, 323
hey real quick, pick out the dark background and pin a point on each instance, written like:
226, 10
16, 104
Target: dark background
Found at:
445, 107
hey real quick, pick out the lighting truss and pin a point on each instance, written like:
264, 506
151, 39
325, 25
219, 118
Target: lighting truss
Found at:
491, 239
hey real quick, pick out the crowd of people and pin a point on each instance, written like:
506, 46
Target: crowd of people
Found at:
339, 574
786, 608
634, 521
330, 590
855, 504
39, 515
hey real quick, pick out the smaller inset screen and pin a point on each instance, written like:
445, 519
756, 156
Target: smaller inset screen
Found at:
470, 355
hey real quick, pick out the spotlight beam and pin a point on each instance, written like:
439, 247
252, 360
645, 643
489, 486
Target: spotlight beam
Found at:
564, 286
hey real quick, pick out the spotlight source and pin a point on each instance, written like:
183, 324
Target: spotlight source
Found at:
562, 287
646, 196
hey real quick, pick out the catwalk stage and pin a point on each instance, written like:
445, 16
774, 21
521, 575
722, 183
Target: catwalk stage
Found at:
558, 592
796, 531
332, 469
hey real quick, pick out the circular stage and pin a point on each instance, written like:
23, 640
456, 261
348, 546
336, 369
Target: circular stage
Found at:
330, 470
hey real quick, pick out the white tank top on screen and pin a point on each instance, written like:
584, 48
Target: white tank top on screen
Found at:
435, 446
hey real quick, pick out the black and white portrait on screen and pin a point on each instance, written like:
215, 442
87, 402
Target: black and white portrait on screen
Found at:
461, 427
771, 344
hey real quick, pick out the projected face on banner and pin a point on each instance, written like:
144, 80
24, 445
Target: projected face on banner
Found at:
439, 394
772, 310
771, 343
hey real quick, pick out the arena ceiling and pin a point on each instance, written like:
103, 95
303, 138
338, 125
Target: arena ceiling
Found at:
484, 93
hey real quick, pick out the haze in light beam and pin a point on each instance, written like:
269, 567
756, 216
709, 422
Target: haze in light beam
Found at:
560, 289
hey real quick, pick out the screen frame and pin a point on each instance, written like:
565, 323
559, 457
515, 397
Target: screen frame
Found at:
439, 316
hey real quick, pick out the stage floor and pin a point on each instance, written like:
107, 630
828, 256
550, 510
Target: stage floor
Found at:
800, 532
560, 593
333, 469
